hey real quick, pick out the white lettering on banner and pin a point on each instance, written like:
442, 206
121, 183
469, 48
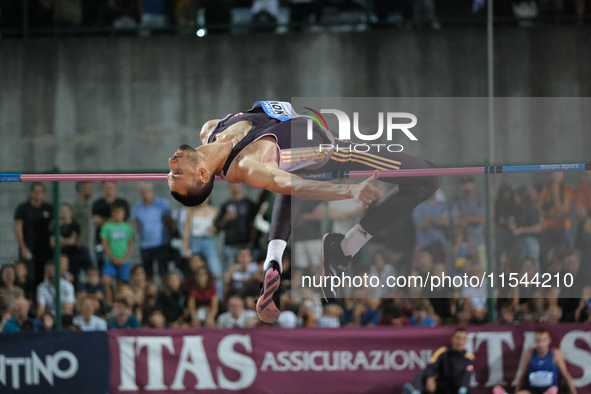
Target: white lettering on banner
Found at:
155, 364
577, 356
238, 361
34, 366
494, 351
127, 363
193, 359
374, 360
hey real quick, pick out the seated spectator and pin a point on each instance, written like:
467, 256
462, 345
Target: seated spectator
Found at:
583, 240
122, 315
264, 14
23, 280
117, 241
237, 316
310, 307
123, 13
171, 300
87, 320
380, 268
420, 315
156, 319
21, 320
583, 196
140, 290
524, 292
474, 298
241, 275
46, 294
68, 323
450, 370
78, 256
195, 263
539, 373
153, 15
64, 269
331, 316
47, 322
573, 297
8, 290
505, 211
203, 300
443, 298
361, 311
93, 286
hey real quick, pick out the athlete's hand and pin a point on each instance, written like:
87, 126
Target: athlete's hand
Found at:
365, 192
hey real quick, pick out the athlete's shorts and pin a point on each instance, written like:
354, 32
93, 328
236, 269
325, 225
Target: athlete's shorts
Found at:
119, 272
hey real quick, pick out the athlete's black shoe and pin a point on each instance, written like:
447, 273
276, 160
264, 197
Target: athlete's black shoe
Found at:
268, 304
334, 262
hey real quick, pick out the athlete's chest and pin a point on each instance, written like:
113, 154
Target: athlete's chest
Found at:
264, 150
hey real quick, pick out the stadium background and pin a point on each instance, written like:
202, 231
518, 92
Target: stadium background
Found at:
90, 98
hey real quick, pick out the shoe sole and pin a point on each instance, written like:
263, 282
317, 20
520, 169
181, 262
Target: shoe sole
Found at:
266, 308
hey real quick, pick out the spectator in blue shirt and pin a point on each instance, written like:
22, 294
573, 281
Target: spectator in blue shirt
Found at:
123, 317
21, 320
419, 314
152, 217
431, 218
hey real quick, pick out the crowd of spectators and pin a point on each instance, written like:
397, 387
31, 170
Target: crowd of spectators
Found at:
263, 15
182, 279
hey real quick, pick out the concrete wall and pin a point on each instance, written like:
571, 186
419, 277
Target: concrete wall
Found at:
114, 103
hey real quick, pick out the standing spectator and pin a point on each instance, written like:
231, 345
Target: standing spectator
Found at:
583, 196
32, 220
237, 316
556, 200
122, 317
468, 212
78, 256
87, 320
431, 219
8, 291
306, 237
171, 300
153, 221
46, 294
236, 219
117, 242
526, 226
123, 14
21, 320
101, 213
81, 212
198, 237
203, 301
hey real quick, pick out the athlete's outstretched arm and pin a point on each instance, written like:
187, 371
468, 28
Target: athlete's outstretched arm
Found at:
273, 179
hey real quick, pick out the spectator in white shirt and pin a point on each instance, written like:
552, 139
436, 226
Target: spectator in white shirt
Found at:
46, 294
237, 316
87, 320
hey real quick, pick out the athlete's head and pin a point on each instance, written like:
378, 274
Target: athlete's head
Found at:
189, 180
542, 340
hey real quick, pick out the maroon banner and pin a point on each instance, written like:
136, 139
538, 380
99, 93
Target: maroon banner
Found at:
312, 360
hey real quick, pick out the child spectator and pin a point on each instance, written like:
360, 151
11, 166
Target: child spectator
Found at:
171, 300
241, 275
93, 286
8, 291
117, 241
420, 315
140, 290
203, 300
47, 322
87, 320
64, 269
157, 319
122, 315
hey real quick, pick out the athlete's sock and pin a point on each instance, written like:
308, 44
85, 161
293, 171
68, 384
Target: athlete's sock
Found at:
275, 252
354, 240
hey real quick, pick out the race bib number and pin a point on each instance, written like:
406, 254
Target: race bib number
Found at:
280, 110
541, 379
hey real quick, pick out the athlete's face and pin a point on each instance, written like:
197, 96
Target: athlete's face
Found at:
458, 340
543, 341
183, 172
